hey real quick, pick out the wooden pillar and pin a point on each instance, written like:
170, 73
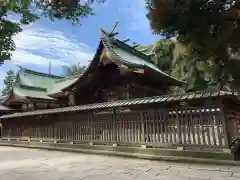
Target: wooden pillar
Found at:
225, 127
128, 89
9, 133
53, 132
143, 128
1, 130
178, 127
55, 128
30, 132
114, 129
71, 99
92, 126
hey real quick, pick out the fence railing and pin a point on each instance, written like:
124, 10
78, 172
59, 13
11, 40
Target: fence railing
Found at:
189, 127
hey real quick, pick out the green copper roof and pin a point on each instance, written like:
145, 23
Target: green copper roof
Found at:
29, 71
63, 83
32, 84
31, 92
35, 79
41, 85
124, 53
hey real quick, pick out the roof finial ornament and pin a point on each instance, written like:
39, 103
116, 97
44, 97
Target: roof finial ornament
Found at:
114, 26
112, 33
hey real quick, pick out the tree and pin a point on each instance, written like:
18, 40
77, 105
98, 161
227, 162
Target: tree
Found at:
74, 69
30, 11
170, 56
8, 82
162, 53
210, 29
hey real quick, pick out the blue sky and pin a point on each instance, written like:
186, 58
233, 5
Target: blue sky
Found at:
66, 44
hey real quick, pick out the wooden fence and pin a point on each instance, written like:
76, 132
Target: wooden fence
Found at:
191, 128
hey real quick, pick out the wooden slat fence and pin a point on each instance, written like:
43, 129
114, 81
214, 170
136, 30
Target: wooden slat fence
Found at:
189, 127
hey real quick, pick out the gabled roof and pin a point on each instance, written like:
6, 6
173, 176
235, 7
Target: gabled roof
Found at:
63, 83
37, 85
32, 78
122, 53
36, 80
25, 92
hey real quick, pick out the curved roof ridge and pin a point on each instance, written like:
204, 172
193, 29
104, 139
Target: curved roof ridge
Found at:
127, 45
106, 41
32, 88
96, 59
29, 71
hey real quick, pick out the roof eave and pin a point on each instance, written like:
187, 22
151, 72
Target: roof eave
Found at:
125, 103
93, 63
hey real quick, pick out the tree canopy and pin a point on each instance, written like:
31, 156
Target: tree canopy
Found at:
210, 29
74, 69
170, 56
8, 82
32, 10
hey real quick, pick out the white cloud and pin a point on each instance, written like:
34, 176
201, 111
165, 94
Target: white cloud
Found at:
39, 45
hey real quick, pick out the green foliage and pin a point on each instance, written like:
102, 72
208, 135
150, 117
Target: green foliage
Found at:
30, 11
74, 69
196, 74
211, 30
8, 82
162, 54
171, 57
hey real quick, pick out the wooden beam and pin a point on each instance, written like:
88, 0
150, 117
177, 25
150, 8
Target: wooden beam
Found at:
150, 54
114, 34
126, 40
135, 45
114, 27
143, 50
139, 71
102, 53
146, 88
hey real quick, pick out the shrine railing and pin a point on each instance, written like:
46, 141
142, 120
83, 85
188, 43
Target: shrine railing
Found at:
191, 128
197, 120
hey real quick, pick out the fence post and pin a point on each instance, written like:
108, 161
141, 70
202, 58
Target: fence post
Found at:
1, 130
54, 132
92, 128
114, 129
143, 142
225, 128
9, 134
178, 127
